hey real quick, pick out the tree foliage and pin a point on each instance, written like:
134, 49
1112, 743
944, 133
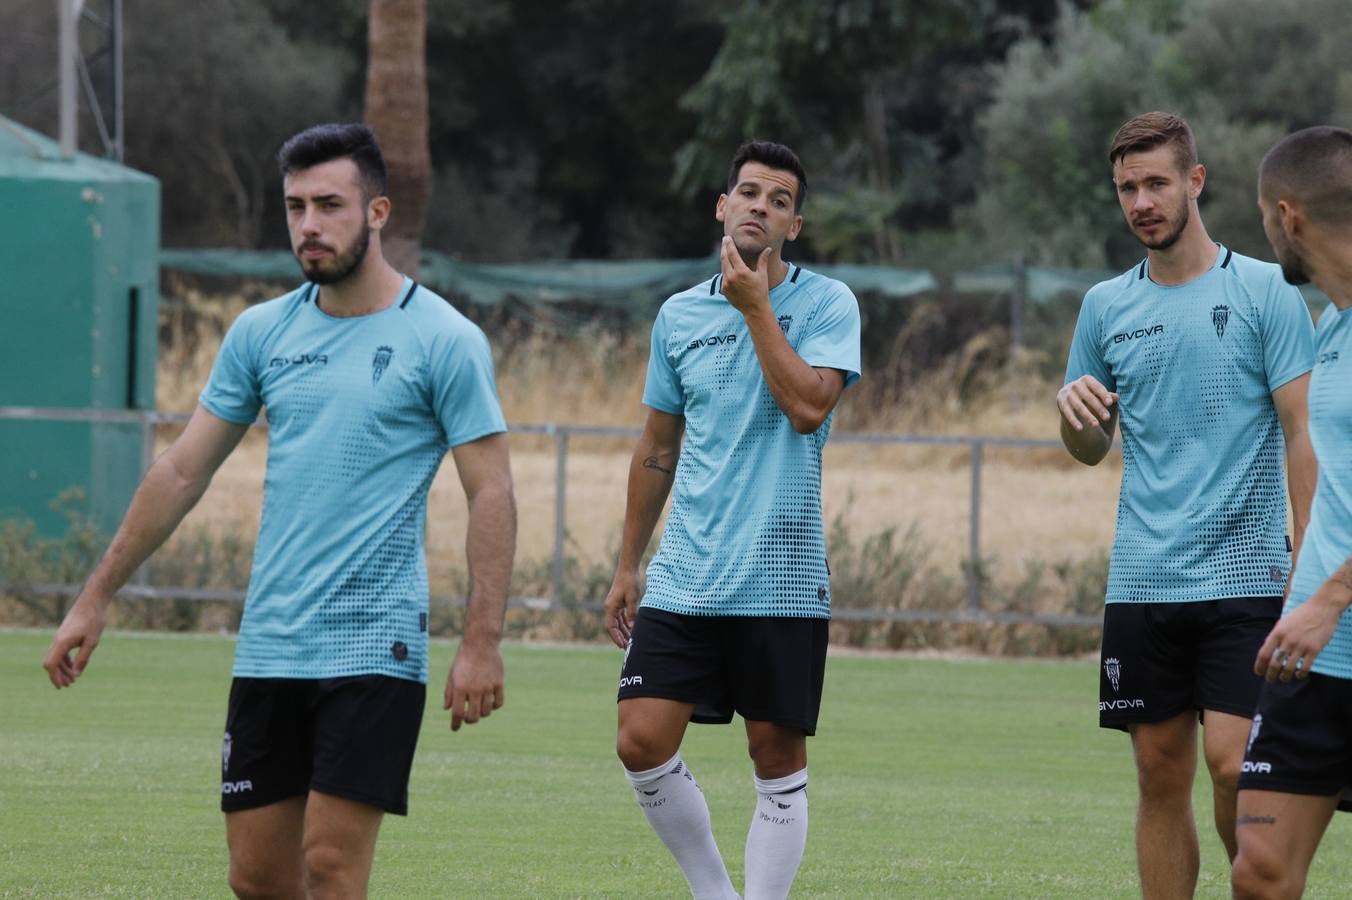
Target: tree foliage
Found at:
935, 132
1243, 72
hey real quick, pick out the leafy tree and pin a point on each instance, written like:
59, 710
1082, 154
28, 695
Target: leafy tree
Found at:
1243, 72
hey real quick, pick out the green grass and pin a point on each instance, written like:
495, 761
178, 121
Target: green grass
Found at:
930, 778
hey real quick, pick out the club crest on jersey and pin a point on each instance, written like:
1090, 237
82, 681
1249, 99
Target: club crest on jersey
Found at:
784, 323
380, 362
1220, 315
1113, 669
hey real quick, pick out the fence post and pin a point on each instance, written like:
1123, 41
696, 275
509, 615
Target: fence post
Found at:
560, 513
974, 567
141, 577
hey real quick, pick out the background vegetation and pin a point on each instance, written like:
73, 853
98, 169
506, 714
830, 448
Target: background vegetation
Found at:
936, 132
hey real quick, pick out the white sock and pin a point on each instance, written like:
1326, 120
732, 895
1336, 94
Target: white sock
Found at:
778, 834
675, 807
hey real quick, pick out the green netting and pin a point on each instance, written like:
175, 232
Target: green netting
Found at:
619, 283
631, 283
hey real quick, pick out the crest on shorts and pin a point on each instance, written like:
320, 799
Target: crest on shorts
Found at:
380, 362
1253, 731
1220, 315
225, 753
1113, 669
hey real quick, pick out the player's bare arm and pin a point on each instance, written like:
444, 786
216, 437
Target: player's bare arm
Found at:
171, 487
1302, 471
652, 470
1089, 413
1295, 641
806, 394
474, 687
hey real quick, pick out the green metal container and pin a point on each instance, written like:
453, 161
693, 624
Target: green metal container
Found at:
79, 243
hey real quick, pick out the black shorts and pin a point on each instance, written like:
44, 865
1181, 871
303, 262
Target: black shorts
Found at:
351, 737
764, 668
1301, 739
1161, 659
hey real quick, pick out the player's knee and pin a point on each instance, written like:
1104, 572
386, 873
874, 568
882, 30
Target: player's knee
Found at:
1260, 876
326, 868
252, 883
774, 756
1163, 776
639, 751
1225, 771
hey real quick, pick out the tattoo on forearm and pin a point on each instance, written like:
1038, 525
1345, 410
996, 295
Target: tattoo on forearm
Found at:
1256, 820
651, 463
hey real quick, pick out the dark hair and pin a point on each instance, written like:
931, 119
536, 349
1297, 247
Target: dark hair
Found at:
1313, 167
323, 143
774, 156
1151, 130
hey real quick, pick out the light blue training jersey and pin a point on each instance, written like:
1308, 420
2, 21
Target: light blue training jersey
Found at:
361, 410
744, 536
1202, 510
1328, 539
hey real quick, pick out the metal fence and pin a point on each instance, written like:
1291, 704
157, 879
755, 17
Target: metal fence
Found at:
976, 448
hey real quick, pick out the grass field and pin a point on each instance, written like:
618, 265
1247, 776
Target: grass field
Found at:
931, 778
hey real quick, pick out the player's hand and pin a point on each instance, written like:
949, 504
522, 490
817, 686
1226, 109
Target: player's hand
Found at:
474, 687
81, 629
746, 288
1295, 641
1085, 401
622, 608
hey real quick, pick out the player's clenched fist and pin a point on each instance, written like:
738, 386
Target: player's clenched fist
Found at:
1085, 401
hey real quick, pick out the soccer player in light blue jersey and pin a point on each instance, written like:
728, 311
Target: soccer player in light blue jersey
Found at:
1298, 766
367, 380
1203, 357
743, 374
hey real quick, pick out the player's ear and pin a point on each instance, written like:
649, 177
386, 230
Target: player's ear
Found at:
1291, 217
1196, 180
796, 227
378, 212
720, 211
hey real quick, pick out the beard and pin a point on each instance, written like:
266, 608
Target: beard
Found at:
1178, 223
1293, 267
341, 265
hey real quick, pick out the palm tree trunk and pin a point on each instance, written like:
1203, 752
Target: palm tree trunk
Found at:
396, 109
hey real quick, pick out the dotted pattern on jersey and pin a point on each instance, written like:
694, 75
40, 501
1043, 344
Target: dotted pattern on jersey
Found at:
1202, 510
744, 535
339, 585
1328, 539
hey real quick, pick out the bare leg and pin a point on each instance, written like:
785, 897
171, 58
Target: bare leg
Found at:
266, 859
1223, 739
1166, 836
1278, 834
340, 843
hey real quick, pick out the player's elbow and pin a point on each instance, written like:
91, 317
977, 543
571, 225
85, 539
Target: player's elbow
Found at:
806, 421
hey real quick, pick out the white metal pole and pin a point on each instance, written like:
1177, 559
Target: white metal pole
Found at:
68, 100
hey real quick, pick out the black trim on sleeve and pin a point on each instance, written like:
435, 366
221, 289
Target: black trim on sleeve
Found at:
797, 270
409, 296
1228, 253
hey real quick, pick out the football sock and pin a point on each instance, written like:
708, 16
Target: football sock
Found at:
778, 833
675, 808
